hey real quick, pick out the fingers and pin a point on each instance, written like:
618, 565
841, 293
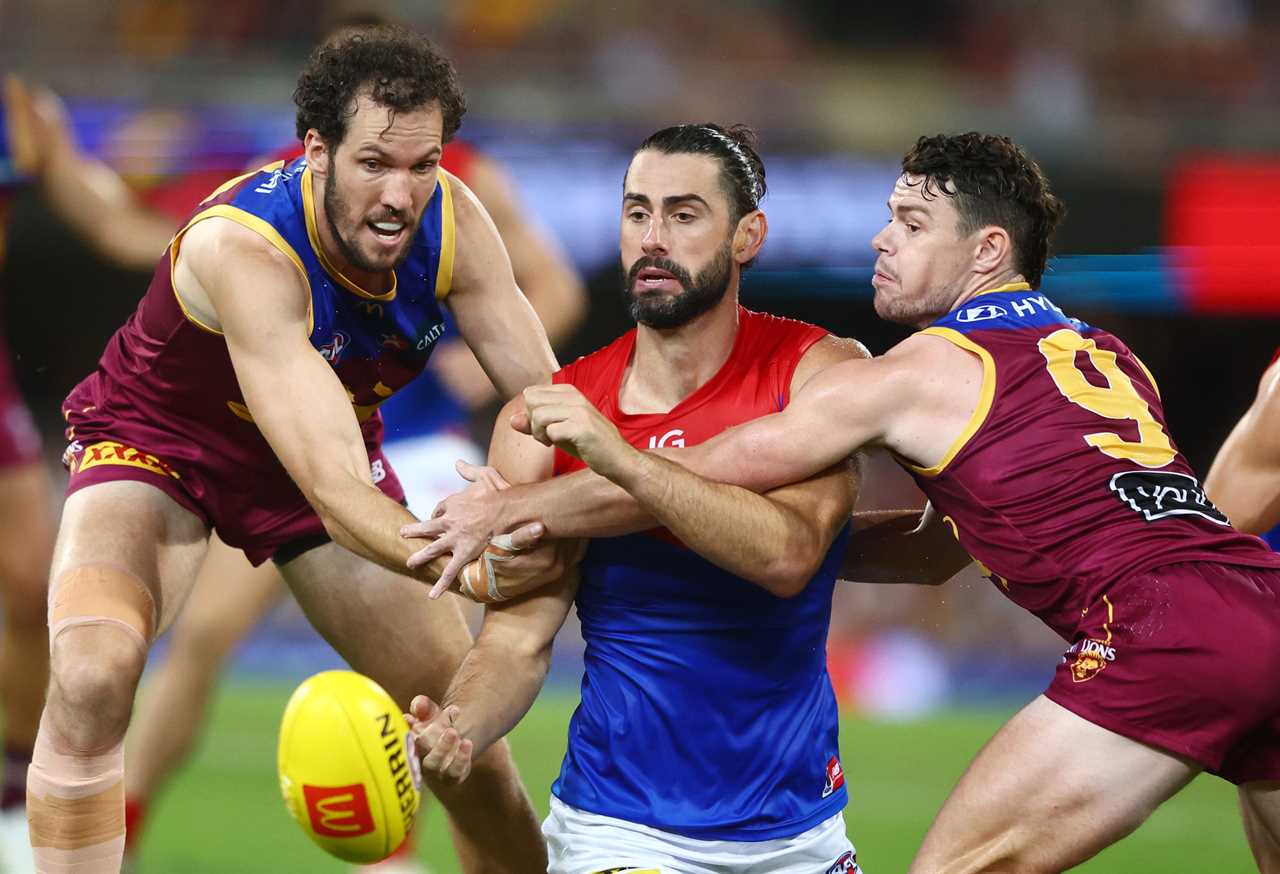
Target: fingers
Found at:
445, 754
423, 708
520, 422
425, 528
429, 553
482, 474
524, 537
450, 573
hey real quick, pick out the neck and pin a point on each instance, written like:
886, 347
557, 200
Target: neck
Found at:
669, 365
375, 282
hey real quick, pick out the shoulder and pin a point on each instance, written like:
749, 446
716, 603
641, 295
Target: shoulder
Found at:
220, 243
827, 351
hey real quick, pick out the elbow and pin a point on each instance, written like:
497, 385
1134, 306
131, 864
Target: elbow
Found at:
790, 576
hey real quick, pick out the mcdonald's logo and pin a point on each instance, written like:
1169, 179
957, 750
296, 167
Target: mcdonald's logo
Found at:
338, 811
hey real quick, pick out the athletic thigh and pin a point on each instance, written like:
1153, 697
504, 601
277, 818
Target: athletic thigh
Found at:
381, 622
26, 536
136, 528
230, 597
1049, 791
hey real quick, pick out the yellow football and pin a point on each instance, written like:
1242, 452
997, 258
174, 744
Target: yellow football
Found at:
347, 768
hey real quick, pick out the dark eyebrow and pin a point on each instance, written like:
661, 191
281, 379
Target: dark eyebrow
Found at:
909, 208
432, 153
671, 201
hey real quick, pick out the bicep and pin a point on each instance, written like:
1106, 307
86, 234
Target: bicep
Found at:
294, 396
517, 456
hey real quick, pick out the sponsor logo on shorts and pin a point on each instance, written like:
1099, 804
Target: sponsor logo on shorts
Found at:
1091, 657
378, 470
835, 777
1158, 495
981, 313
70, 454
338, 811
111, 452
846, 864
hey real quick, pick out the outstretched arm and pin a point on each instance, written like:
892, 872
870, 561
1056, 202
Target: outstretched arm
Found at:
903, 546
1244, 481
505, 668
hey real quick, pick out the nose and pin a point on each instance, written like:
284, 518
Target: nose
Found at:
880, 242
397, 193
653, 242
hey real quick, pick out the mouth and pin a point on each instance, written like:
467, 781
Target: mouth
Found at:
388, 233
880, 278
655, 279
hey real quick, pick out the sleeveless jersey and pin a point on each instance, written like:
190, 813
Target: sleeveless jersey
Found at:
1066, 479
171, 377
706, 707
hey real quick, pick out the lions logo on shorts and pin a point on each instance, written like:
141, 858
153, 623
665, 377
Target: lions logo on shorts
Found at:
1091, 657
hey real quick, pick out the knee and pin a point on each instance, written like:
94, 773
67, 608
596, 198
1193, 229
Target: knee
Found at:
94, 673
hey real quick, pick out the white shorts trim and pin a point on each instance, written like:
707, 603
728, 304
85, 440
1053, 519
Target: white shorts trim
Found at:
584, 843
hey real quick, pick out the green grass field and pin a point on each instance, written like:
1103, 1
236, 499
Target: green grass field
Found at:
224, 815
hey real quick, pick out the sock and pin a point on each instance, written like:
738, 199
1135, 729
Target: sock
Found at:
135, 814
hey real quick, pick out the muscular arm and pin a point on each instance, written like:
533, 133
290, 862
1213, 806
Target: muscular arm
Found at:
503, 672
295, 398
1244, 481
492, 314
896, 546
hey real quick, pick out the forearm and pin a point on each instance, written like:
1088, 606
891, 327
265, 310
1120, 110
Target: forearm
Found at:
493, 689
889, 547
358, 516
95, 203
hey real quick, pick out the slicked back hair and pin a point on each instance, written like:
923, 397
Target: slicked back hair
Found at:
733, 148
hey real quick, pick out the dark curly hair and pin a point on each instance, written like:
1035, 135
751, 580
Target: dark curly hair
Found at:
993, 182
396, 68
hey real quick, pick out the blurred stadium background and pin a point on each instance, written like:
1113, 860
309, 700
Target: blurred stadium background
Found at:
1155, 119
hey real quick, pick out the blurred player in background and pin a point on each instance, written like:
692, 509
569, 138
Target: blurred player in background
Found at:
1244, 481
36, 148
1041, 442
291, 305
427, 430
707, 736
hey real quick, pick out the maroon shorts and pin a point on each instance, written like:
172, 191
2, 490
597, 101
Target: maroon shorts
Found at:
231, 481
1185, 658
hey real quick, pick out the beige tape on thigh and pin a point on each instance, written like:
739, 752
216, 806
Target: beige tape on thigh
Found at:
102, 594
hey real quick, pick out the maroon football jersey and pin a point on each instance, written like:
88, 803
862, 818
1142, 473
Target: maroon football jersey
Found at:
1066, 478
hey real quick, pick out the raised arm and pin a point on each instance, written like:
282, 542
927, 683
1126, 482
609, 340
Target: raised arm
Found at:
491, 312
84, 192
1244, 481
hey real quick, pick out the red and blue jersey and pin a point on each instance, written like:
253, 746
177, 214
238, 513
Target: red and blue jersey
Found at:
706, 706
1066, 479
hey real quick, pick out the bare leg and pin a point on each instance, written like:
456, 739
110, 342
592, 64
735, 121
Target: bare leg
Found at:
1049, 791
1260, 808
125, 558
230, 598
385, 626
26, 545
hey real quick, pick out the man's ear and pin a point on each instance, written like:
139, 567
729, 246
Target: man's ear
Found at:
316, 151
752, 230
993, 250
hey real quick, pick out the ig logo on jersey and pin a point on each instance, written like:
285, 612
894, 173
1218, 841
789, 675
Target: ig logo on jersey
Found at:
981, 313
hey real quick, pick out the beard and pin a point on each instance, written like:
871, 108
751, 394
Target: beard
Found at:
337, 206
700, 293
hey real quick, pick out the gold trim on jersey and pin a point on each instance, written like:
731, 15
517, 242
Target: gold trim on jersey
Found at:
1150, 378
444, 274
1011, 286
236, 180
259, 226
313, 234
985, 397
